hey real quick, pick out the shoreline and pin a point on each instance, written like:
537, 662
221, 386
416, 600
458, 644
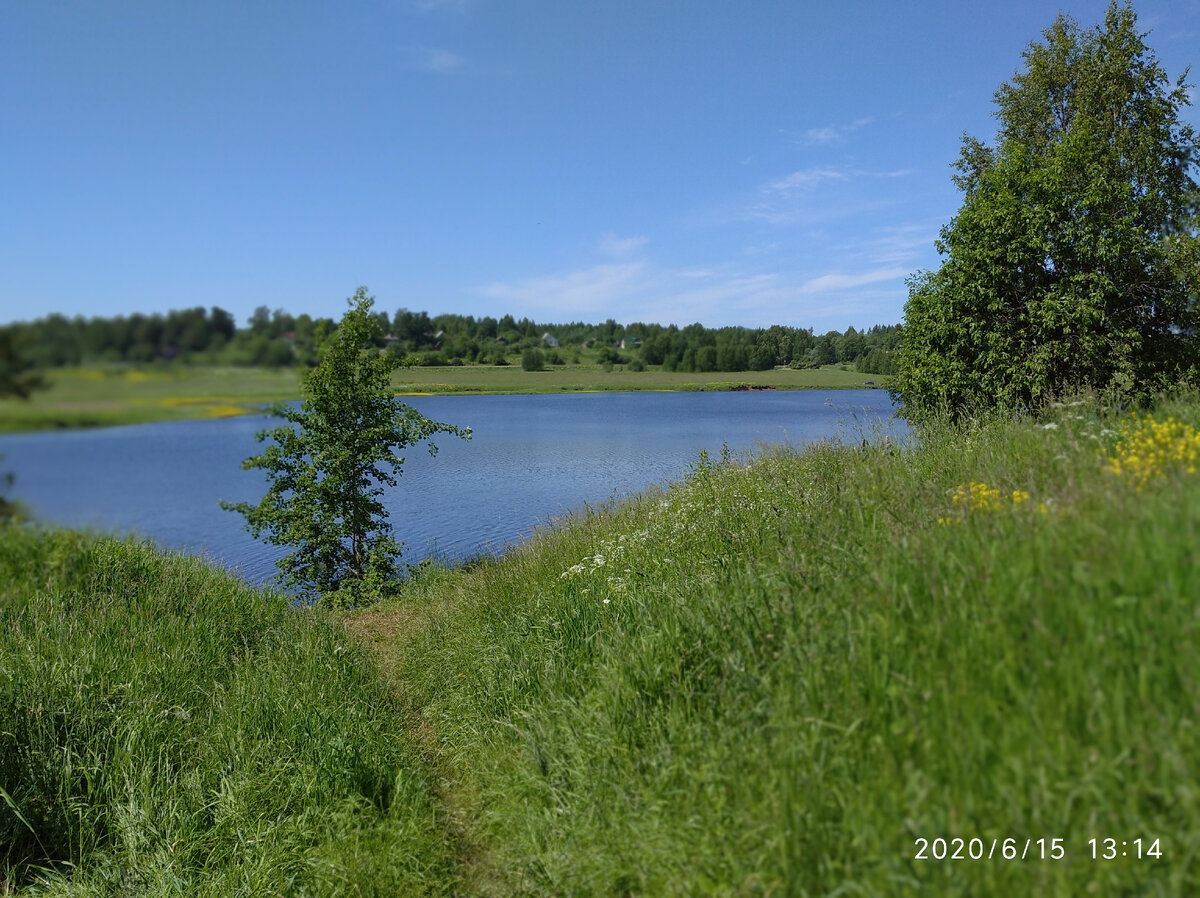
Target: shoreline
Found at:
84, 398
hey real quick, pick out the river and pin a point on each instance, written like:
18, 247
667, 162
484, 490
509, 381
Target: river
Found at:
532, 459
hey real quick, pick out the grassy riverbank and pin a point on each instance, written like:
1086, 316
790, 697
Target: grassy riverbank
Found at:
96, 397
165, 730
102, 397
774, 678
777, 678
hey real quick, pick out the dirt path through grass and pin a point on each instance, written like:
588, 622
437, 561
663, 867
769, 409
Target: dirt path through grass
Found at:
386, 632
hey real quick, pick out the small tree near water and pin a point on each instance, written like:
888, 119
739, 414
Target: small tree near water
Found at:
329, 465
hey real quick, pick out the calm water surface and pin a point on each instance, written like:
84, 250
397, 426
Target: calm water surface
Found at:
532, 459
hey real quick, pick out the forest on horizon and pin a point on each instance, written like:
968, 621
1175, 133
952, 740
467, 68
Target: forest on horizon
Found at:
280, 339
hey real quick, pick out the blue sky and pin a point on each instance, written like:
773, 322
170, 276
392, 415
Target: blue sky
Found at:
747, 163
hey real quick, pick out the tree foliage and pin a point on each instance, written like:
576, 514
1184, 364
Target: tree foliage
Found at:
533, 360
329, 465
277, 338
16, 380
1073, 260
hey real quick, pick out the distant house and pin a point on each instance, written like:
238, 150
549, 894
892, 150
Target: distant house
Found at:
635, 343
551, 341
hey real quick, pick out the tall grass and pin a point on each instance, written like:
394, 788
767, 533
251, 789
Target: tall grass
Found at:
778, 676
165, 730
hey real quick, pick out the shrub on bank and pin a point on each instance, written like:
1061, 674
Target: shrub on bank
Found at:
533, 360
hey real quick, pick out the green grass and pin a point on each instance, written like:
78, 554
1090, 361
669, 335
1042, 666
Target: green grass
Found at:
165, 730
512, 379
106, 396
97, 397
773, 679
770, 679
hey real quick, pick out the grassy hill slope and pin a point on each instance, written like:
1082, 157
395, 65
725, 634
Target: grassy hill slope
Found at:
777, 678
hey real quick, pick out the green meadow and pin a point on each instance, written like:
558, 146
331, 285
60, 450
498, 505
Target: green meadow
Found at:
788, 674
584, 377
124, 394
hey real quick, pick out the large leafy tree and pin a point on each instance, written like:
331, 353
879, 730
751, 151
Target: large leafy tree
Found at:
329, 465
1073, 261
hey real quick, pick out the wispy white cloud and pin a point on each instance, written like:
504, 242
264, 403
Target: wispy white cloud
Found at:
584, 290
844, 281
900, 243
722, 294
806, 178
612, 245
431, 59
833, 134
441, 6
813, 177
760, 249
812, 195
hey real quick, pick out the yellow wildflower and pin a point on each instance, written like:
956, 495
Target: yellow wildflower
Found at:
978, 496
975, 495
1149, 449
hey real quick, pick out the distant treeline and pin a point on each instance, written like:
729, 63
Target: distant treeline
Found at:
279, 339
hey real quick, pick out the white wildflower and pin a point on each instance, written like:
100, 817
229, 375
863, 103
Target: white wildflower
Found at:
573, 570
